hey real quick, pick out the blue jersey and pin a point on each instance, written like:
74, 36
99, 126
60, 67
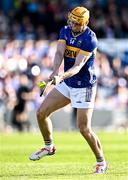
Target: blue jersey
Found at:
85, 43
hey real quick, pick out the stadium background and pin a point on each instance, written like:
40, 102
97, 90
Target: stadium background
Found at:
28, 33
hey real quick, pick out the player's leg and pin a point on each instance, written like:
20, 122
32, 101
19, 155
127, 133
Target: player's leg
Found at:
84, 124
53, 101
84, 102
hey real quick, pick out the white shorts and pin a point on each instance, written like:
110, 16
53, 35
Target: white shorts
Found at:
80, 97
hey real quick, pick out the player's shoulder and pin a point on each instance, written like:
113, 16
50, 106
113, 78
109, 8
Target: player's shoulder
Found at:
89, 40
90, 34
64, 33
65, 28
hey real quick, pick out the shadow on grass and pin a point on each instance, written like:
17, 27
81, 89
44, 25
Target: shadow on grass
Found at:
61, 174
45, 174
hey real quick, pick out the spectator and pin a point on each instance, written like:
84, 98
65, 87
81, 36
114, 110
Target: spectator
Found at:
28, 34
20, 119
46, 14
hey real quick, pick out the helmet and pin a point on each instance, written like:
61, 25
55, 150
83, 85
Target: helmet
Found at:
79, 15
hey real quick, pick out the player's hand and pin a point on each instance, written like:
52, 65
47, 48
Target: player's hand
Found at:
56, 80
52, 75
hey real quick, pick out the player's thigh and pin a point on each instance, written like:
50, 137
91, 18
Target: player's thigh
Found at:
84, 117
53, 101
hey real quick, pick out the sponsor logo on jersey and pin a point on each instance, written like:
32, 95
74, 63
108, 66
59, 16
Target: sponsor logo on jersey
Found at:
71, 52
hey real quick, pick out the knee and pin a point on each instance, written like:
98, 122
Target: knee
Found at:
86, 131
42, 113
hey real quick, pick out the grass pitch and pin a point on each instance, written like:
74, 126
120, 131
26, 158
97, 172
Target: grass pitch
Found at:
73, 160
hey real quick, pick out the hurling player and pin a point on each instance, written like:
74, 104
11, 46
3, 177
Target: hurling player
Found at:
77, 46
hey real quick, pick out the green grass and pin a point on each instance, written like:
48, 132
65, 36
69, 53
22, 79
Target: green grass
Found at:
73, 160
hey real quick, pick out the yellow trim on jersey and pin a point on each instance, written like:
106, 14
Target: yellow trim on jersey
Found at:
72, 48
71, 52
61, 40
86, 53
95, 51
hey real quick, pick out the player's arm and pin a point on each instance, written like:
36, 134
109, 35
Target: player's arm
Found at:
81, 59
58, 57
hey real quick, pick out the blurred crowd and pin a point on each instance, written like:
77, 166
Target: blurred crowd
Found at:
42, 19
24, 63
28, 33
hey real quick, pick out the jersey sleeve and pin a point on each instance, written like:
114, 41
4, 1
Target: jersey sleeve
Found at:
62, 35
89, 46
